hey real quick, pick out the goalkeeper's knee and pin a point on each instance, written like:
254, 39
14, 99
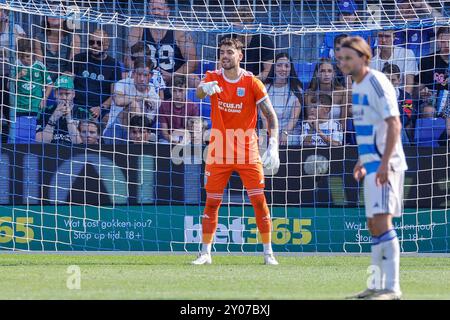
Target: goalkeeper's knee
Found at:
210, 216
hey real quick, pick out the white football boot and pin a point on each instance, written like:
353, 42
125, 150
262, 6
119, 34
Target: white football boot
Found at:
203, 258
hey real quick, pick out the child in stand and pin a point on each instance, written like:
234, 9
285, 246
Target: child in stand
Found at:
32, 86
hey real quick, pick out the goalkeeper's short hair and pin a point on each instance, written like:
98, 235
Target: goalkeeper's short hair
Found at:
231, 42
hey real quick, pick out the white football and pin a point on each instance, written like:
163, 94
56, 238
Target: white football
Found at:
316, 165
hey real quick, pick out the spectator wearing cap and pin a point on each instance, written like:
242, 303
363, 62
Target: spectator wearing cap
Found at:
347, 11
347, 14
56, 124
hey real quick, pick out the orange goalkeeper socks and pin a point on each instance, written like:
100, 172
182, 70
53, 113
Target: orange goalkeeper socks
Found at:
263, 220
262, 215
210, 217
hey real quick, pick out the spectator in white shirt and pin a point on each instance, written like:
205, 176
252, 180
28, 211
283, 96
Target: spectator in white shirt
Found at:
132, 96
387, 52
319, 129
140, 49
286, 93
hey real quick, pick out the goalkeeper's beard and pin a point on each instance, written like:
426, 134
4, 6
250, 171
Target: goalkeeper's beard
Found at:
231, 65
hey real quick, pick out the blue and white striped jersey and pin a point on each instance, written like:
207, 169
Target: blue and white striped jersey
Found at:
374, 100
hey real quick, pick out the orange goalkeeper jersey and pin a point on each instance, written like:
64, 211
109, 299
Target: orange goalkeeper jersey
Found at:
233, 116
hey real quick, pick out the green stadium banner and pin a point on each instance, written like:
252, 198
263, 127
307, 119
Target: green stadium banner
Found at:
177, 228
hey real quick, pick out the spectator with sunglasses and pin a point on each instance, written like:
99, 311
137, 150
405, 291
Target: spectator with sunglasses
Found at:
95, 75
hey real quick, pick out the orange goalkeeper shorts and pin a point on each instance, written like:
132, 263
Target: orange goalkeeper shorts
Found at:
217, 176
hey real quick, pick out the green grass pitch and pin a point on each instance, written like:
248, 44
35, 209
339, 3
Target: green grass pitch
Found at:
38, 276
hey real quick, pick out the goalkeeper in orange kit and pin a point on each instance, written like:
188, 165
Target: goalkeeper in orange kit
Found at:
236, 95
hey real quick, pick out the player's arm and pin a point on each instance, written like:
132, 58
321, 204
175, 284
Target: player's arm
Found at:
387, 104
394, 127
267, 110
199, 92
359, 171
271, 158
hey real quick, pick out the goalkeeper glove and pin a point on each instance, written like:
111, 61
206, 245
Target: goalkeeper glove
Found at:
210, 88
271, 159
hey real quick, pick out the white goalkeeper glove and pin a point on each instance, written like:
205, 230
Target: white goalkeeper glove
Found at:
210, 88
271, 158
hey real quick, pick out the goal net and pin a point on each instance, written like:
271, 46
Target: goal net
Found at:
103, 138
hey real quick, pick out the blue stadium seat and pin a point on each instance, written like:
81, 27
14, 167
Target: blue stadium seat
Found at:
191, 96
24, 130
203, 67
428, 131
305, 71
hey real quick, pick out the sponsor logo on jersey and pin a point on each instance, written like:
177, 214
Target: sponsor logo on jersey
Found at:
28, 86
230, 107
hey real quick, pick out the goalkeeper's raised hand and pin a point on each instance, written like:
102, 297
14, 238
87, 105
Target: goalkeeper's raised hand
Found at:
270, 158
210, 88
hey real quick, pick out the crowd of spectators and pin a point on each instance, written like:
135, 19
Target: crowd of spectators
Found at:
53, 91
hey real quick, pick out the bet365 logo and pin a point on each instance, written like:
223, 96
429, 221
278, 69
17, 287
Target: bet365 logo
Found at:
244, 231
